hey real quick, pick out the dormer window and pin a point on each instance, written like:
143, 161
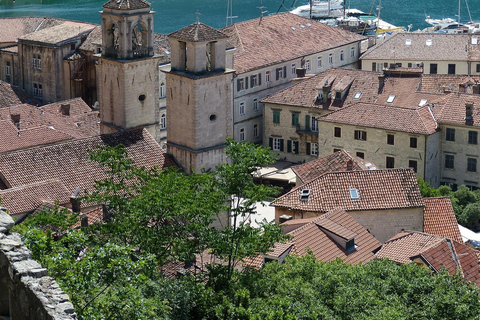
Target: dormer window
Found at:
422, 102
474, 41
428, 42
305, 195
354, 194
391, 98
357, 95
350, 246
408, 42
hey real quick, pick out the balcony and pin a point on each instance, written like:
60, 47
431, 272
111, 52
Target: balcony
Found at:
306, 130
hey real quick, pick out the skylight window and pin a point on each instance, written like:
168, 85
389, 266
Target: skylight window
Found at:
428, 42
422, 102
293, 28
408, 42
305, 195
357, 95
391, 98
302, 26
354, 194
474, 41
309, 24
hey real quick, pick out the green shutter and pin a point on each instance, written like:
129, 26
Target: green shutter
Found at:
284, 72
281, 145
289, 145
270, 143
246, 82
308, 148
307, 122
296, 146
238, 84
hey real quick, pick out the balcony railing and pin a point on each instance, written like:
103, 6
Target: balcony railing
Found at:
306, 130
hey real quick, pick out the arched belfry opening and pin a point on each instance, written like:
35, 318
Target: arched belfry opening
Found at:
127, 27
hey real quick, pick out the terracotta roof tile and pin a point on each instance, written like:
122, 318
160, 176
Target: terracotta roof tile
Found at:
409, 120
451, 109
27, 198
126, 4
68, 163
439, 218
334, 162
444, 47
272, 40
11, 95
440, 83
198, 32
377, 189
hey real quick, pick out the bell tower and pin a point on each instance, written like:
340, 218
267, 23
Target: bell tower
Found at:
199, 97
127, 70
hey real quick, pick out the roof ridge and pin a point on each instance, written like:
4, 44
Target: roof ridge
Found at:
49, 181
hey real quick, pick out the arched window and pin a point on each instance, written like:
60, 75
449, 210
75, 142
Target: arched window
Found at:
163, 121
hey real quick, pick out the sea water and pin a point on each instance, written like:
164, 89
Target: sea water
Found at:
175, 14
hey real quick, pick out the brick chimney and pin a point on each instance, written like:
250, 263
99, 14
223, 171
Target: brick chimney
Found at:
469, 113
74, 201
381, 82
65, 109
16, 119
349, 165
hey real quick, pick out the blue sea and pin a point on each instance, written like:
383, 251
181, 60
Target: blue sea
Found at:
175, 14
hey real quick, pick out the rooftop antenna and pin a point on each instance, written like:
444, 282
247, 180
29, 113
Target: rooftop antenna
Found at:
261, 10
230, 13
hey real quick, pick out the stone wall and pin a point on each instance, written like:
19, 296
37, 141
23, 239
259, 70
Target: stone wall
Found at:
26, 292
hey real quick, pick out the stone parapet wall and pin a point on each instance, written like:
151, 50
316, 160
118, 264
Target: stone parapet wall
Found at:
26, 292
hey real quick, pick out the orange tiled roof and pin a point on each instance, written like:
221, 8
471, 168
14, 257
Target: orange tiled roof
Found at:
435, 251
439, 218
368, 115
29, 197
451, 109
377, 190
11, 95
439, 83
68, 163
314, 236
334, 162
198, 32
272, 40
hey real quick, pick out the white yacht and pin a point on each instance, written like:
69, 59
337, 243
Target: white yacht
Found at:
320, 9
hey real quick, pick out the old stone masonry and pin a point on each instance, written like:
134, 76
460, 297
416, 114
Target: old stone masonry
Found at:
26, 292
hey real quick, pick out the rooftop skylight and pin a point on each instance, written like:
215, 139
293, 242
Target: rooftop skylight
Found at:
422, 102
391, 98
428, 42
354, 194
408, 42
305, 195
357, 95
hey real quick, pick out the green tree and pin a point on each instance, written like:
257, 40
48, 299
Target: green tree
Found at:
426, 190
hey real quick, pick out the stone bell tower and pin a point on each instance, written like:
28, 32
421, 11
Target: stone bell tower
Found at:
127, 70
199, 97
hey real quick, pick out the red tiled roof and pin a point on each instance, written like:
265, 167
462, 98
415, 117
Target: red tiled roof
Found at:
272, 40
29, 197
409, 120
198, 32
377, 190
451, 109
11, 95
435, 251
313, 236
439, 83
334, 162
439, 218
68, 162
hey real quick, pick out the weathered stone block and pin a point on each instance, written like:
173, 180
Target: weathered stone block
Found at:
6, 222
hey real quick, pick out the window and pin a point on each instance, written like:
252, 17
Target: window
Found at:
162, 90
242, 108
478, 67
409, 65
357, 95
413, 165
276, 116
330, 58
413, 142
292, 146
449, 161
314, 124
242, 134
354, 193
433, 68
255, 105
451, 68
281, 73
163, 121
374, 66
39, 63
8, 69
319, 62
295, 119
390, 162
254, 80
337, 132
361, 135
390, 98
37, 90
450, 134
255, 130
307, 65
352, 52
471, 164
276, 144
341, 56
267, 76
360, 154
390, 139
314, 149
294, 69
240, 84
472, 137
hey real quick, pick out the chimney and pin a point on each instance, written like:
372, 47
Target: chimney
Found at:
469, 113
65, 109
476, 89
462, 88
300, 72
326, 90
349, 165
105, 216
84, 221
16, 119
75, 204
381, 82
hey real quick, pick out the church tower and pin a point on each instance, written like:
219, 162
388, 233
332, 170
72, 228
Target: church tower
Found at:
199, 97
127, 70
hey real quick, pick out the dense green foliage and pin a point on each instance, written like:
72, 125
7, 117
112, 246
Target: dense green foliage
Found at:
111, 270
466, 203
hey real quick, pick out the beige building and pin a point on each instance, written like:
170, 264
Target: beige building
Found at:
385, 202
269, 51
434, 53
